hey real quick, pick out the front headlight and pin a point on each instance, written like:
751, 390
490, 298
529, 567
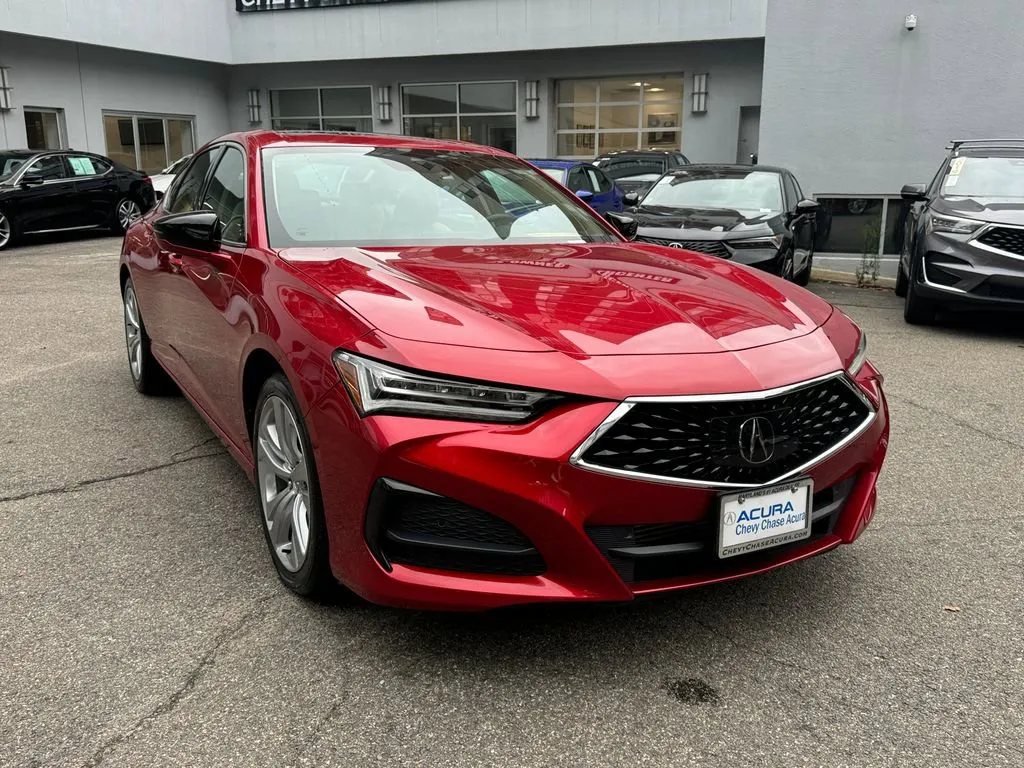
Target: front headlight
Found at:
862, 354
951, 224
765, 243
378, 388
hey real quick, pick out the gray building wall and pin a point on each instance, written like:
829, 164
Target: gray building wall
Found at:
86, 80
441, 27
734, 69
854, 103
192, 29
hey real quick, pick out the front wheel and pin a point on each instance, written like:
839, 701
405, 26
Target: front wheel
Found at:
148, 375
288, 488
126, 213
6, 230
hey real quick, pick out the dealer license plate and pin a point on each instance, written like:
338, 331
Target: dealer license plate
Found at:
765, 517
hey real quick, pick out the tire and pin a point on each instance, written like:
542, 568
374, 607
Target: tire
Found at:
126, 212
148, 375
804, 278
8, 231
288, 492
917, 310
901, 281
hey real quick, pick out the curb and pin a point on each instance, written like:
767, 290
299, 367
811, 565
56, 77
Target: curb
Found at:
847, 278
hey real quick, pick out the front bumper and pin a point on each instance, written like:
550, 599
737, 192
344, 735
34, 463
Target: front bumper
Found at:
961, 270
521, 475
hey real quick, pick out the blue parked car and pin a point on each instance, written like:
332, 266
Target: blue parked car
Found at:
589, 182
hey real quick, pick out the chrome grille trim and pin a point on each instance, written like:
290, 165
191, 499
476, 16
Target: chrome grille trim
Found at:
576, 459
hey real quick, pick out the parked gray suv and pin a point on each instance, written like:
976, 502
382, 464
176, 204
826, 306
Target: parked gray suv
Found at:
964, 236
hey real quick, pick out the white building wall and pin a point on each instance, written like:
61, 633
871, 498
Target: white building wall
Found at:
192, 29
445, 27
734, 69
86, 80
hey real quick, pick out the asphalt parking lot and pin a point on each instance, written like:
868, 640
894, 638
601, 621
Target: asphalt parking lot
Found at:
141, 622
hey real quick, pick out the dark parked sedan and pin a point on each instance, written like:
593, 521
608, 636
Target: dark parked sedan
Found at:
67, 191
636, 170
753, 215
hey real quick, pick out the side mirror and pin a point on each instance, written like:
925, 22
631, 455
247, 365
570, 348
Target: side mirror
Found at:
626, 225
584, 194
631, 198
199, 230
32, 179
807, 207
914, 192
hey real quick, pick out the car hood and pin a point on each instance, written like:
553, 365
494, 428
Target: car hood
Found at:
580, 300
993, 209
704, 223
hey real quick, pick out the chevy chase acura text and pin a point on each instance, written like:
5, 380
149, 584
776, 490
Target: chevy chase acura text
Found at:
456, 386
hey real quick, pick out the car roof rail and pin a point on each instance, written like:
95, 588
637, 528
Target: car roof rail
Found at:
958, 143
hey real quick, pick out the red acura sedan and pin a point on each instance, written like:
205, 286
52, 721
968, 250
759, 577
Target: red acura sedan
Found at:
456, 387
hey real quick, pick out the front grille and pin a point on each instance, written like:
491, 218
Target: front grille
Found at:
414, 527
700, 440
710, 247
1005, 239
660, 551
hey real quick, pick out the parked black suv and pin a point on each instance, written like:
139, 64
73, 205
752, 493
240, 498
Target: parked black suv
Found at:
636, 170
58, 191
964, 238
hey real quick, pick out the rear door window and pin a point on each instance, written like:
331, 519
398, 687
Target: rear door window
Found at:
186, 194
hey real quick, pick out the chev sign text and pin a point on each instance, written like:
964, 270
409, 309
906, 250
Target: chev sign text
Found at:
248, 6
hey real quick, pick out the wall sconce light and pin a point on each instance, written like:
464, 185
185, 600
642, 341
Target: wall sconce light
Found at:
532, 99
254, 106
700, 94
911, 22
5, 89
384, 103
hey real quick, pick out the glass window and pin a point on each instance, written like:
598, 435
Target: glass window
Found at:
186, 195
380, 196
578, 180
322, 109
790, 188
43, 128
750, 192
896, 224
558, 174
601, 182
48, 168
598, 116
346, 102
120, 136
429, 99
849, 225
487, 97
225, 195
148, 142
483, 113
11, 163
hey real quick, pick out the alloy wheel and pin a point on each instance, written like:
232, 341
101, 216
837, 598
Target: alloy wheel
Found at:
133, 332
5, 230
128, 212
283, 475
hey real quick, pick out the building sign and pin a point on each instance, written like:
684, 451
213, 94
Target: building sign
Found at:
248, 6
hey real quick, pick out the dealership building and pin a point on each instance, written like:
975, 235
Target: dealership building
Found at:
857, 97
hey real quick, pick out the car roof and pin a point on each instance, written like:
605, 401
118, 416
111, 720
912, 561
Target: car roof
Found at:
275, 139
727, 167
22, 152
557, 163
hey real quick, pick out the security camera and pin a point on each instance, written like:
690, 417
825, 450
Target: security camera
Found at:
911, 22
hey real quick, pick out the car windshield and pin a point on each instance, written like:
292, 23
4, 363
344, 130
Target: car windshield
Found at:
9, 164
979, 177
633, 167
740, 190
375, 196
558, 174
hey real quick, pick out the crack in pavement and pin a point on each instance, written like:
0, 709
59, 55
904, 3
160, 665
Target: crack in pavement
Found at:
318, 732
207, 441
224, 637
957, 421
80, 484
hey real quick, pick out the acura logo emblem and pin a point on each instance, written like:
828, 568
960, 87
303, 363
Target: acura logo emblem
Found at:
757, 440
